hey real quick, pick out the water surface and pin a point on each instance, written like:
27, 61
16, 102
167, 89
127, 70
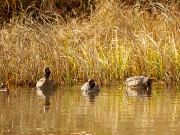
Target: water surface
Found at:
112, 111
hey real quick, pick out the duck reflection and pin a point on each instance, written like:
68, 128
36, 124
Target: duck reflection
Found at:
91, 95
139, 92
46, 93
5, 97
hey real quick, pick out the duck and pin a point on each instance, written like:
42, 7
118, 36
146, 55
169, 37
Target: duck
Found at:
90, 86
133, 83
45, 82
4, 87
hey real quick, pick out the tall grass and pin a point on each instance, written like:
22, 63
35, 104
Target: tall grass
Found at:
116, 42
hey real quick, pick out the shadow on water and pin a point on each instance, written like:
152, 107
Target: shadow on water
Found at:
46, 93
91, 95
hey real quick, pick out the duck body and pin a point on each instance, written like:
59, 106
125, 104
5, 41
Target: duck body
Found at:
90, 86
4, 87
136, 82
45, 82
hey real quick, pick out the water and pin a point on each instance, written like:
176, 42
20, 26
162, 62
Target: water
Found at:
68, 111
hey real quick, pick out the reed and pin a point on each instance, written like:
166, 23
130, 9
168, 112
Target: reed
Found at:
116, 42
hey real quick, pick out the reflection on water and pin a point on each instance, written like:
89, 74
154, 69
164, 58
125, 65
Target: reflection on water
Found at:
46, 93
90, 94
139, 92
71, 112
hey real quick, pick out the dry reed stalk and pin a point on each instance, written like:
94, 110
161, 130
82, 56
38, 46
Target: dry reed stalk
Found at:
115, 43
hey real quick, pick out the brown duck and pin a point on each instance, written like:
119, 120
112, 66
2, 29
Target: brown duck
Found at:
46, 81
133, 83
90, 85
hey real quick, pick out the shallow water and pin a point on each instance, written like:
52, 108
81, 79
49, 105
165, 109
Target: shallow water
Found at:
66, 111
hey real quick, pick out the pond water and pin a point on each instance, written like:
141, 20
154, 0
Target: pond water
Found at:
68, 111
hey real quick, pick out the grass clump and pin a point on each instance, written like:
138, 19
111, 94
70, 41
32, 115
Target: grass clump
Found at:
114, 43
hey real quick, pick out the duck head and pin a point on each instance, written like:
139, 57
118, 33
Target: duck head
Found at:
47, 72
91, 84
147, 81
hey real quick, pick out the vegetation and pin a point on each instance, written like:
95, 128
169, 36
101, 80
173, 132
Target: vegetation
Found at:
116, 41
38, 8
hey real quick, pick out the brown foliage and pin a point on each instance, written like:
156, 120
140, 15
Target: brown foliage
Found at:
62, 8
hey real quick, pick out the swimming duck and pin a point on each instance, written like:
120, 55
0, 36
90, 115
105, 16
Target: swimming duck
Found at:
138, 82
46, 81
4, 87
90, 85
